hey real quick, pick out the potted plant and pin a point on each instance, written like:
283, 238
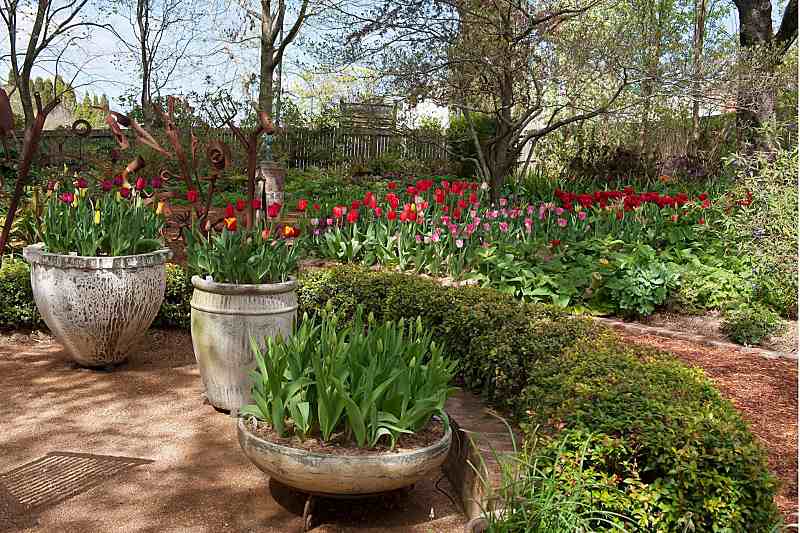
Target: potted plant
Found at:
245, 288
348, 409
98, 274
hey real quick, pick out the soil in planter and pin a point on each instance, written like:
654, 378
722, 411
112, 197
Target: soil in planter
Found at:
341, 445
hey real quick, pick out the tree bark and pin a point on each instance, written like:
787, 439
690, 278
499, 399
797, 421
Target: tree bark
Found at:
267, 64
699, 38
755, 107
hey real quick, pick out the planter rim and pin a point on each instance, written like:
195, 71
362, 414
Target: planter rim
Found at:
35, 254
209, 285
442, 443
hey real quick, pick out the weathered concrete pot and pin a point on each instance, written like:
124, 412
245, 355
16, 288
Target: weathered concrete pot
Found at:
97, 307
342, 475
224, 317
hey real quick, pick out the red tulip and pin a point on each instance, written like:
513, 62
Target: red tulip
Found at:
106, 185
240, 204
66, 197
191, 195
156, 182
701, 221
256, 203
378, 212
141, 183
81, 183
125, 192
316, 207
230, 223
338, 211
352, 216
391, 215
555, 242
302, 204
273, 209
229, 211
355, 205
391, 185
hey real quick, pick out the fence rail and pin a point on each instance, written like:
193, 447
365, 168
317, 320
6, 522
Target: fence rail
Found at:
298, 148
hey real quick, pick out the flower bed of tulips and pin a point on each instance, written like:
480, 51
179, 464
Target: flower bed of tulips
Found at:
605, 250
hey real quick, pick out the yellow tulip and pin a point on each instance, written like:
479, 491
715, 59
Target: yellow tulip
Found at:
160, 208
97, 217
75, 201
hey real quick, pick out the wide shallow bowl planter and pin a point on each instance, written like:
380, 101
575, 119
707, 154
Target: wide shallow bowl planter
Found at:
224, 317
342, 475
97, 307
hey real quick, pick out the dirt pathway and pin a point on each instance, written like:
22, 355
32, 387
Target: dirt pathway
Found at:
193, 477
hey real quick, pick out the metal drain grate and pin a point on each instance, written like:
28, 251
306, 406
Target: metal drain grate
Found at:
59, 476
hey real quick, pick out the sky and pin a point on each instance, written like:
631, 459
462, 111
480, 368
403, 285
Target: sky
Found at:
104, 72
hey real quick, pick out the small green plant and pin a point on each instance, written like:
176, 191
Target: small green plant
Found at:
551, 485
370, 380
750, 324
175, 311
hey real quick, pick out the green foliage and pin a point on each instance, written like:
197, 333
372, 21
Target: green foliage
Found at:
242, 256
175, 311
681, 453
750, 324
637, 289
709, 284
765, 228
553, 485
460, 140
17, 308
371, 380
653, 440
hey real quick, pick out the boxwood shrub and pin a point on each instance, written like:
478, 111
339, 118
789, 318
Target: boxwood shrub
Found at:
17, 308
676, 454
175, 310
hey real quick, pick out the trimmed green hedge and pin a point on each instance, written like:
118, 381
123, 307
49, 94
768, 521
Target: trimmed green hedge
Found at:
678, 455
17, 308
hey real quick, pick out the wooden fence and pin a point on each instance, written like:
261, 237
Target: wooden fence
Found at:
298, 148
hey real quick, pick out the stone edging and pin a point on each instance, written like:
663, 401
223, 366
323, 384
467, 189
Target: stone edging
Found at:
641, 329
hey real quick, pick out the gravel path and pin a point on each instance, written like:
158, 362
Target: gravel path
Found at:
151, 408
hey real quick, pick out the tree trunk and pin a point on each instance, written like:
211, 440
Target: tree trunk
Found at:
267, 70
699, 37
755, 106
143, 23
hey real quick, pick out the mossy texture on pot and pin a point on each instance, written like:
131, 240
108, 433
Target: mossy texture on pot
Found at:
97, 307
224, 318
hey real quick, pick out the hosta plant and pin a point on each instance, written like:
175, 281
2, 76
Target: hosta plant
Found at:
111, 220
369, 381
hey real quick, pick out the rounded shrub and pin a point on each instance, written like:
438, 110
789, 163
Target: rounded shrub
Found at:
750, 324
17, 308
680, 453
175, 311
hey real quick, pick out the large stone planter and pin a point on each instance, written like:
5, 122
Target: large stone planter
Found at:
224, 317
97, 307
342, 475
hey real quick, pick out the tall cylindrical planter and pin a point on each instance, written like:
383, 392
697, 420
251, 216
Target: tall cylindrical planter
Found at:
224, 318
97, 307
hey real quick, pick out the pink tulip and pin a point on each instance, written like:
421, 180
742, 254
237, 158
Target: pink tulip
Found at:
582, 215
562, 222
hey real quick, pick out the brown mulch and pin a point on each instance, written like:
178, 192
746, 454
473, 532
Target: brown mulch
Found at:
764, 391
709, 325
339, 445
